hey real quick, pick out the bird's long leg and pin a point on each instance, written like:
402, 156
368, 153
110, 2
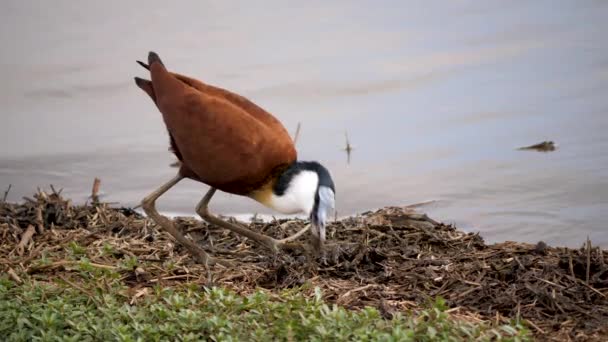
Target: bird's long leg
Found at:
148, 204
203, 210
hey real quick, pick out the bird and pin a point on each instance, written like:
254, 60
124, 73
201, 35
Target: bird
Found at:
226, 141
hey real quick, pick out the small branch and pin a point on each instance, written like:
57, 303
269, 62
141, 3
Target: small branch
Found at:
343, 297
65, 264
179, 276
588, 259
593, 289
55, 192
138, 294
14, 276
81, 289
95, 191
39, 221
41, 195
25, 239
6, 192
545, 146
349, 148
536, 327
420, 204
570, 265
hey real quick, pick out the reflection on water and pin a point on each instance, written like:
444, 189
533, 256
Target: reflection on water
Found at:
436, 99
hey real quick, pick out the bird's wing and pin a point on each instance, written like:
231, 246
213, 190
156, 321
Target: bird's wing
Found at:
240, 101
222, 143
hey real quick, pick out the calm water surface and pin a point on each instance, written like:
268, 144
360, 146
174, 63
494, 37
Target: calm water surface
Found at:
435, 97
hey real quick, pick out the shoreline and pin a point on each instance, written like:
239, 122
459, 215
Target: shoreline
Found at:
394, 259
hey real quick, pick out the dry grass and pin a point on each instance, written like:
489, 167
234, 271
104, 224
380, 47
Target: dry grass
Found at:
394, 259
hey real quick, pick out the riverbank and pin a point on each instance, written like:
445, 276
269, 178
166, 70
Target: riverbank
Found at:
395, 260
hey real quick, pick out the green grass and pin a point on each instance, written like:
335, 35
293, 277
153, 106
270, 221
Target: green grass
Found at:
94, 305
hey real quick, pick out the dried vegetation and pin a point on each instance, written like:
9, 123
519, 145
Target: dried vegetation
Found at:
394, 259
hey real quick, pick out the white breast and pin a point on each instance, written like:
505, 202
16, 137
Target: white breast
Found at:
299, 196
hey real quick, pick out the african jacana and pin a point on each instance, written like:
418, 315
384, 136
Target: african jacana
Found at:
229, 143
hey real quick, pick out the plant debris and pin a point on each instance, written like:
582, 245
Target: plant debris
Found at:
348, 148
545, 146
394, 259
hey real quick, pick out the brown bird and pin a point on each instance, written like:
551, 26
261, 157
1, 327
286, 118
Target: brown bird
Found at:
229, 143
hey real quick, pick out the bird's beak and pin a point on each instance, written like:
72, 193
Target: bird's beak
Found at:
318, 234
325, 204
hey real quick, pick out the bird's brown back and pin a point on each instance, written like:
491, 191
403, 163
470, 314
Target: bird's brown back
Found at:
222, 138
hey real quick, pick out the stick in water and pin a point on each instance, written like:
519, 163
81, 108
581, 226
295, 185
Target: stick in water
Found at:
6, 192
95, 190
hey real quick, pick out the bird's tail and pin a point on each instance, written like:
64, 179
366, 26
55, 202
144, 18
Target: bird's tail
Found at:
164, 82
146, 86
146, 66
185, 79
157, 70
153, 58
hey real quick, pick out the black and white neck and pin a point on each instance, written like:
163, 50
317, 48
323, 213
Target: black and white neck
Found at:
304, 187
299, 189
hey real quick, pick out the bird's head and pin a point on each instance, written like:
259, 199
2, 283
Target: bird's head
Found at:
305, 187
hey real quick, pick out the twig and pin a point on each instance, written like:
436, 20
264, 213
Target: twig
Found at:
536, 327
453, 309
588, 259
593, 289
6, 192
570, 264
28, 199
14, 275
465, 293
349, 148
419, 204
545, 146
31, 255
471, 282
39, 221
138, 294
549, 282
297, 134
41, 195
358, 289
65, 264
180, 276
80, 288
55, 192
25, 238
95, 191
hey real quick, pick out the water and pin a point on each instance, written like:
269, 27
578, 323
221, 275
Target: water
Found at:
435, 97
